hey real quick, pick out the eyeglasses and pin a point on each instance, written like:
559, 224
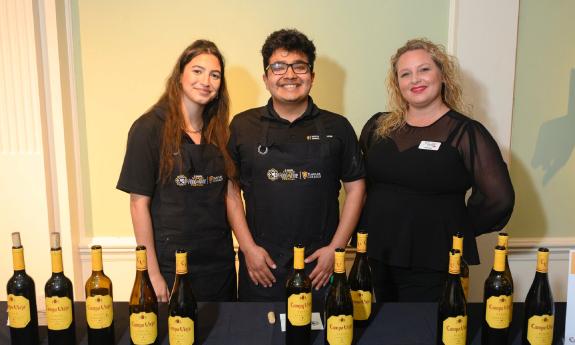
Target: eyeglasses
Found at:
279, 68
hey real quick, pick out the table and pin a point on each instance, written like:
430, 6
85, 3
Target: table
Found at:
246, 323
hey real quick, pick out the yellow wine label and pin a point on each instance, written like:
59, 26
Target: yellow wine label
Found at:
540, 329
361, 304
180, 330
298, 257
97, 259
498, 310
181, 263
340, 330
542, 262
339, 264
141, 260
58, 313
18, 311
18, 258
465, 286
455, 330
299, 309
361, 242
56, 260
99, 311
143, 328
499, 260
454, 263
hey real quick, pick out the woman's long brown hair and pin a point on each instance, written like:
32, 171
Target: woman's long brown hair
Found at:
215, 115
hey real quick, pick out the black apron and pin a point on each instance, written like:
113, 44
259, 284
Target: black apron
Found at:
189, 212
293, 200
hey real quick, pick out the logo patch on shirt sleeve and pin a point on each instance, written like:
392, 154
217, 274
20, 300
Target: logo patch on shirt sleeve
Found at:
429, 145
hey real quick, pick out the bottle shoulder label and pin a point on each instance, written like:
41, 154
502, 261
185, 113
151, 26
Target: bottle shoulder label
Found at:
540, 329
58, 313
143, 328
455, 330
180, 330
361, 304
498, 311
339, 329
299, 309
18, 311
99, 311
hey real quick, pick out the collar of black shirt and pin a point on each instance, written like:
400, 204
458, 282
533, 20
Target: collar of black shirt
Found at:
310, 112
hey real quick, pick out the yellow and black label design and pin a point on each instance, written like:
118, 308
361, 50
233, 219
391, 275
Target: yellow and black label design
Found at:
180, 330
99, 311
299, 309
18, 311
361, 304
291, 175
143, 328
540, 329
58, 313
455, 330
339, 330
498, 310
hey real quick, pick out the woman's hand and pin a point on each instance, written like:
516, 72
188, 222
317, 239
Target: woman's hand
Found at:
160, 287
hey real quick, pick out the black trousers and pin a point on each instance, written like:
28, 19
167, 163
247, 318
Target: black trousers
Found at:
398, 284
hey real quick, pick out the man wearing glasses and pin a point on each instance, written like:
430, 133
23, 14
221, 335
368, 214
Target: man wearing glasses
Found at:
291, 157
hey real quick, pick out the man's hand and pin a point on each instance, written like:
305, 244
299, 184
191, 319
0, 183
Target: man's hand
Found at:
324, 267
160, 287
258, 263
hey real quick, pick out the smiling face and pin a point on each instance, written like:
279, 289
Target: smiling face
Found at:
201, 78
419, 79
288, 88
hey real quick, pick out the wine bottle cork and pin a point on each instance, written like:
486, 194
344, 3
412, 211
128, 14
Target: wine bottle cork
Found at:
55, 240
16, 242
271, 318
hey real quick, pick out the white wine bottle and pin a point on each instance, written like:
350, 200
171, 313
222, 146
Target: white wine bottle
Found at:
143, 306
298, 302
21, 301
539, 319
99, 303
452, 308
338, 305
183, 308
59, 299
464, 270
498, 303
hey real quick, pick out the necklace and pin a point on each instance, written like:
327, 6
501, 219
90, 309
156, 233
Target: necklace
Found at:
194, 131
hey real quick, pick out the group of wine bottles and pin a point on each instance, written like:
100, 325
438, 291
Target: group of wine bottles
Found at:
22, 309
143, 306
347, 303
539, 311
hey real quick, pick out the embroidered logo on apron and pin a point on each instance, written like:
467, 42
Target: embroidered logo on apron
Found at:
197, 180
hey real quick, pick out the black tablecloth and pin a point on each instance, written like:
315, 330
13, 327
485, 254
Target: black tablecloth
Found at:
246, 323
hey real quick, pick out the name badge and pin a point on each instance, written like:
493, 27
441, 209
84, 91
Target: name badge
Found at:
429, 145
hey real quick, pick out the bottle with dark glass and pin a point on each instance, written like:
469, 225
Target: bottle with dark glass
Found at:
143, 305
503, 240
21, 299
183, 308
538, 322
338, 311
498, 303
298, 302
458, 244
99, 303
452, 308
59, 299
360, 283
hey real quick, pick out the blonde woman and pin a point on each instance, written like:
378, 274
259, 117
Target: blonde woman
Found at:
421, 158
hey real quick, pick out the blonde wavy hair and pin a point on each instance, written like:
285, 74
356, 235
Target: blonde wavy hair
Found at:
450, 92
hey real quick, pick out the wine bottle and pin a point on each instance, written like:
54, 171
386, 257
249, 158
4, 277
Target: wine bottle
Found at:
99, 305
298, 302
183, 308
498, 303
21, 293
538, 322
452, 308
143, 306
503, 240
464, 270
338, 312
360, 283
59, 299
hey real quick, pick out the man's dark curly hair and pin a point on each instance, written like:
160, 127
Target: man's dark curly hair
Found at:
290, 40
